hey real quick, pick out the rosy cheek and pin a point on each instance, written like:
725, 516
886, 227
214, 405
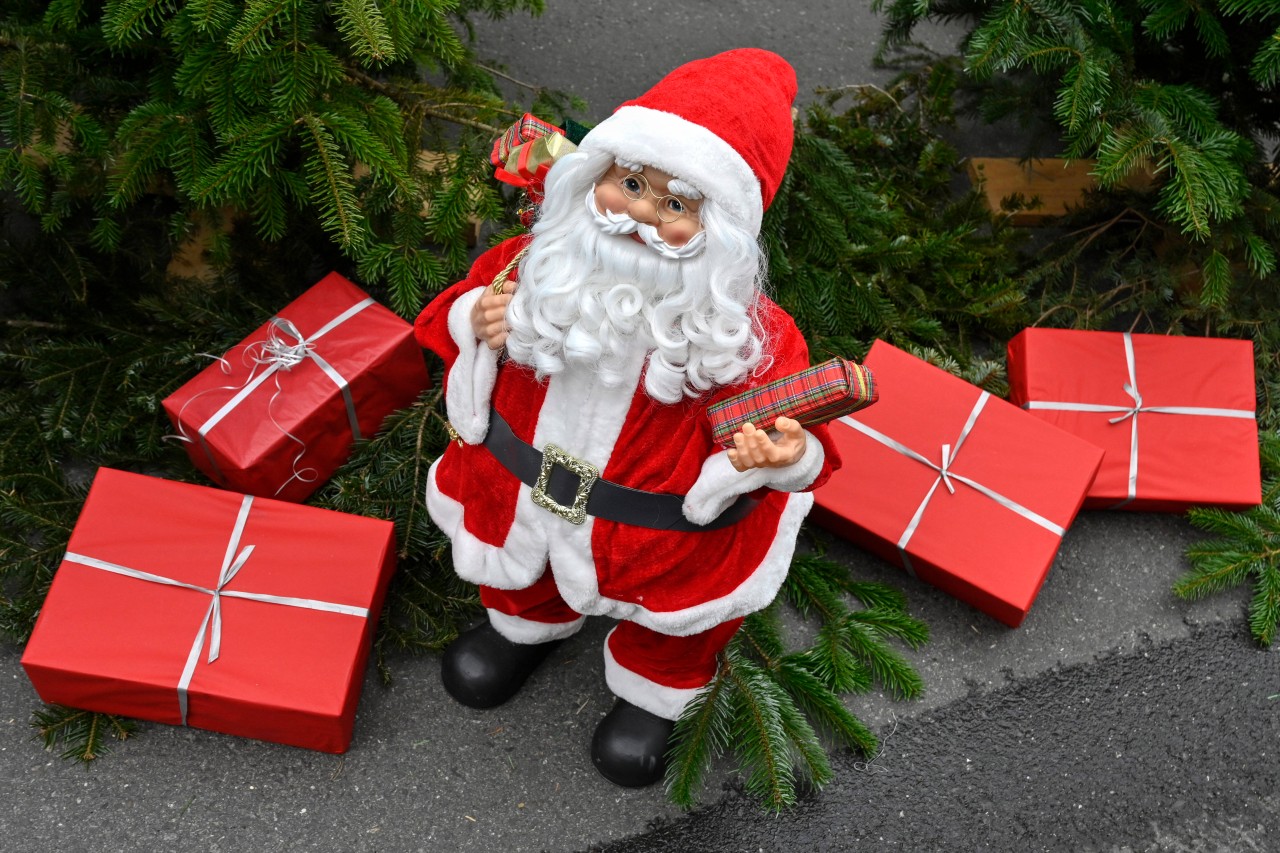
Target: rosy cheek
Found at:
679, 232
610, 198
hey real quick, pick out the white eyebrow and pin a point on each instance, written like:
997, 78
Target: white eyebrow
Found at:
675, 186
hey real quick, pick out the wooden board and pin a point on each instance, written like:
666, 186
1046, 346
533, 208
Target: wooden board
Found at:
1058, 184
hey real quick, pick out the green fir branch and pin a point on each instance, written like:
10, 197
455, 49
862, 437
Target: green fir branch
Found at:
768, 704
1246, 548
210, 16
1266, 63
1264, 606
823, 705
365, 30
83, 736
386, 478
808, 754
757, 732
130, 21
252, 32
702, 733
328, 172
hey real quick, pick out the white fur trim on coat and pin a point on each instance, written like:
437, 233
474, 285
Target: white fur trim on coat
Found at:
472, 376
666, 702
719, 483
685, 150
575, 575
588, 416
521, 561
515, 564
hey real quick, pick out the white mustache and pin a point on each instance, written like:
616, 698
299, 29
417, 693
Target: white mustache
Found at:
619, 224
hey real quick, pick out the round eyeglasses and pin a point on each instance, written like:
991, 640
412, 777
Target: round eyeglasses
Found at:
635, 186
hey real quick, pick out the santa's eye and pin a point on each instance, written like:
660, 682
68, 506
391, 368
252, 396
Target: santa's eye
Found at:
673, 205
634, 186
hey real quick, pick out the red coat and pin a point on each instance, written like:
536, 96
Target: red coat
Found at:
673, 582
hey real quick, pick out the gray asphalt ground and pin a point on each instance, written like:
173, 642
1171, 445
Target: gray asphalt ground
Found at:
1117, 718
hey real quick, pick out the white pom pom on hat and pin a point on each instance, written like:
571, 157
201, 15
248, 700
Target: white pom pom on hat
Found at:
723, 124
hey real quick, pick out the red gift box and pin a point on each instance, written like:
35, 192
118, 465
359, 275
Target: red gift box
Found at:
962, 489
190, 605
278, 413
1175, 415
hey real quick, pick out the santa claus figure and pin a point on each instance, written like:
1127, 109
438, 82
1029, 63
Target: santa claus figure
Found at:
580, 361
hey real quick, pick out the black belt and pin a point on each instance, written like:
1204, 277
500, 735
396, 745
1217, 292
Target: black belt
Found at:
572, 489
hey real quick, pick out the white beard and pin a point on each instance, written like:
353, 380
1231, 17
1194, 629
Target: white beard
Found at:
591, 298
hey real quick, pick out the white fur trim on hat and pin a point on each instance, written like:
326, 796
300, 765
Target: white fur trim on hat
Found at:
685, 150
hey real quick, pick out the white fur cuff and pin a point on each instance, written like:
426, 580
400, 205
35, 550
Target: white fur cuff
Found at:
526, 632
472, 376
719, 483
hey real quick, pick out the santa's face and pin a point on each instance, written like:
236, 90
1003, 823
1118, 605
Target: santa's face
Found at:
645, 195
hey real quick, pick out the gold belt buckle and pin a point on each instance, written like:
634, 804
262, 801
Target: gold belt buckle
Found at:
587, 476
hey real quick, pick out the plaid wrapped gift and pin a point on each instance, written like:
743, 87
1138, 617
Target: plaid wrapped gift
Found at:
527, 166
524, 154
528, 128
814, 396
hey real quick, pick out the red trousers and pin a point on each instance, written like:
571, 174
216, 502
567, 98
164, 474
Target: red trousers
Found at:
657, 672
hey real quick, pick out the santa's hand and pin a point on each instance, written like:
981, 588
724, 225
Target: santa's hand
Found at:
489, 316
753, 448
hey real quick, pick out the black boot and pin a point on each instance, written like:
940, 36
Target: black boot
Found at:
483, 669
630, 746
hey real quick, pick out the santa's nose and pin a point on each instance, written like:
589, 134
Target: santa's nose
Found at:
644, 210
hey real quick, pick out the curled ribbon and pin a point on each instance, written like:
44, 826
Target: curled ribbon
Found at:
946, 476
267, 359
211, 626
280, 352
1130, 413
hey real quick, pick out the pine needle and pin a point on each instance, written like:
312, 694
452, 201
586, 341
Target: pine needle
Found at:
82, 736
701, 734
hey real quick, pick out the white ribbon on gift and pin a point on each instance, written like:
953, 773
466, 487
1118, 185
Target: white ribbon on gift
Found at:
211, 625
946, 477
1131, 413
280, 354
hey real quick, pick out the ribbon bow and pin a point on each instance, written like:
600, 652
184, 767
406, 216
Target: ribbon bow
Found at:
279, 351
944, 470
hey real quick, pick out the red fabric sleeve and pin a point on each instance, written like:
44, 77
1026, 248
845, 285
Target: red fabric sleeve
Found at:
432, 326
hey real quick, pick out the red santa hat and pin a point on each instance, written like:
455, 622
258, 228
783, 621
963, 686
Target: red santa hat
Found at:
722, 124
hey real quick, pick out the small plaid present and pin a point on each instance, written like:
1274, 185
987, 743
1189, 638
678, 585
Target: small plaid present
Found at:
524, 154
528, 164
529, 127
822, 393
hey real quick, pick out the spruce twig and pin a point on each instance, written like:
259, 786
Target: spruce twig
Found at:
82, 736
767, 704
1246, 548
